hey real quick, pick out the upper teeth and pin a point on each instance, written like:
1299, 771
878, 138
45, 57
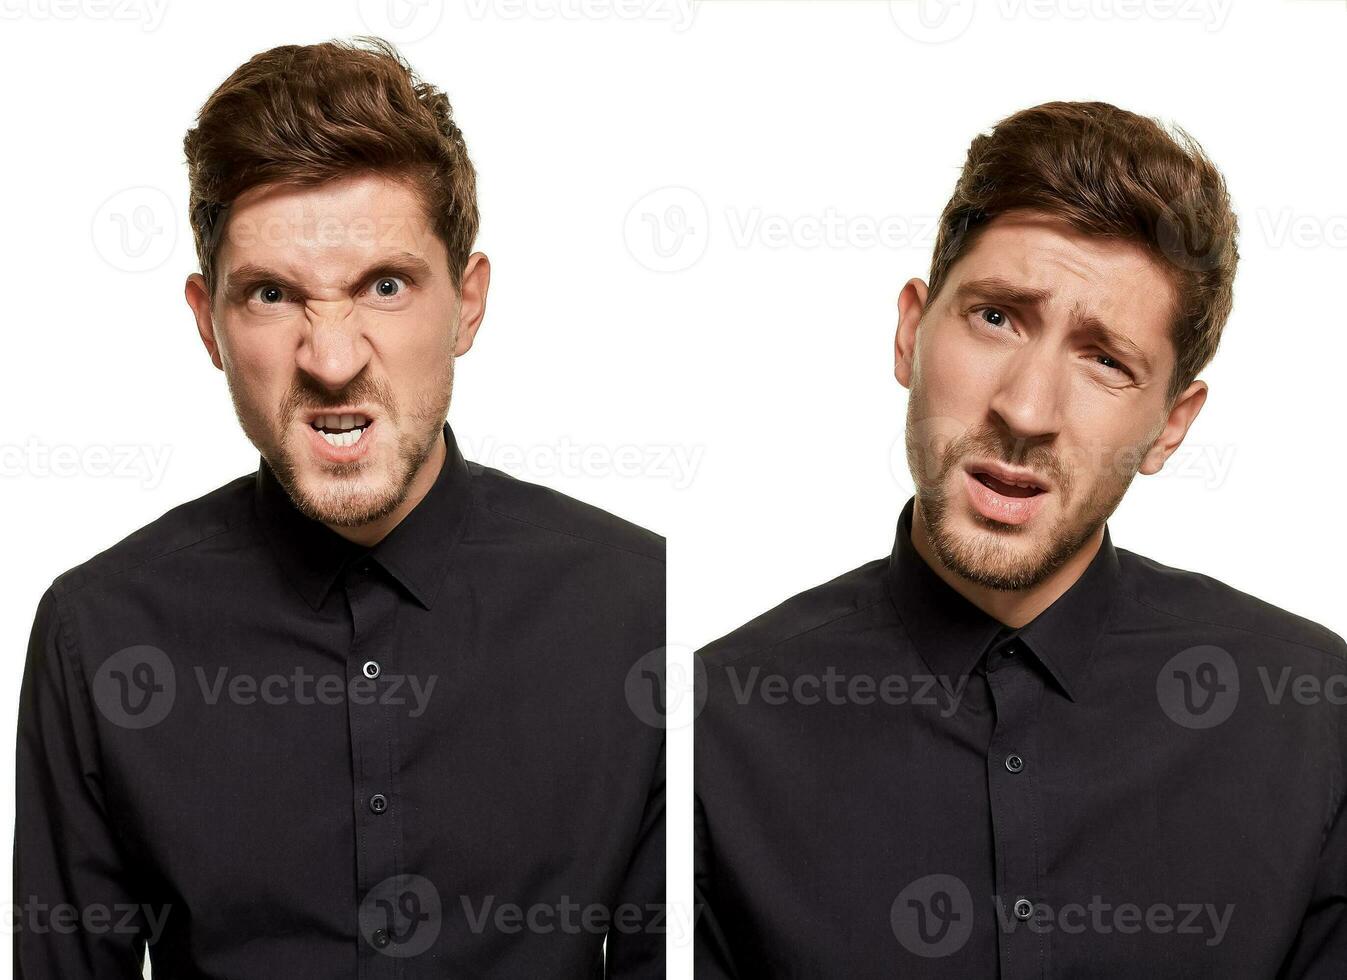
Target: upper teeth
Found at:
341, 430
339, 421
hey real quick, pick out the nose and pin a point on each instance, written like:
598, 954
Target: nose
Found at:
1029, 396
334, 348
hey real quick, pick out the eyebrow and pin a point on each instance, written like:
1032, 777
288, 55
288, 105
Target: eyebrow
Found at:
997, 290
248, 276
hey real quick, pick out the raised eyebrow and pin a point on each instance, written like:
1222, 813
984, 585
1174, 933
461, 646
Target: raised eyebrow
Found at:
247, 277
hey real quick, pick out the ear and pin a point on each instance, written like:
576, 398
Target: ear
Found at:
198, 298
911, 305
1181, 416
472, 300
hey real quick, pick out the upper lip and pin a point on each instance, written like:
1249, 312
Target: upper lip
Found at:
312, 417
1008, 474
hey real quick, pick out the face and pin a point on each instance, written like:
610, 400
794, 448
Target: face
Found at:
336, 324
1045, 359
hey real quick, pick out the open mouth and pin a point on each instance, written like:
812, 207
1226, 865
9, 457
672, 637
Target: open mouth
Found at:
341, 430
1008, 489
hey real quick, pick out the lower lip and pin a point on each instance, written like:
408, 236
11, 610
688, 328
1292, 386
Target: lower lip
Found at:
340, 454
995, 507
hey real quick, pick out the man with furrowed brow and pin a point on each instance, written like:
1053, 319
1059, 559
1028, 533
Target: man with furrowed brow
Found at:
364, 712
1126, 770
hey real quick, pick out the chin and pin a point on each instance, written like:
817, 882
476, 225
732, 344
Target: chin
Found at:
351, 508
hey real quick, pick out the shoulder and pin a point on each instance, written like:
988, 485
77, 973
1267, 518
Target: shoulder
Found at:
531, 511
814, 614
1194, 598
177, 532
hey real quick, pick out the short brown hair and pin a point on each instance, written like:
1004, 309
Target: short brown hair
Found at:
307, 114
1114, 174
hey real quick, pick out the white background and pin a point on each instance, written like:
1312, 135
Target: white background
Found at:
730, 381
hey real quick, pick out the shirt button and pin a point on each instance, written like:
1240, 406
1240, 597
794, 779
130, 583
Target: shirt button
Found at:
378, 803
371, 669
1014, 763
1023, 909
379, 937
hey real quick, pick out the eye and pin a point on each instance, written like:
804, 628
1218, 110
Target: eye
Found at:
1113, 365
268, 295
389, 287
991, 316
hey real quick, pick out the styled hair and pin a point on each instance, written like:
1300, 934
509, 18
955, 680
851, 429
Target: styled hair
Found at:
1113, 174
308, 114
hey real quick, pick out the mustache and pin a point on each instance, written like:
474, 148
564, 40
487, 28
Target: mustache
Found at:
306, 398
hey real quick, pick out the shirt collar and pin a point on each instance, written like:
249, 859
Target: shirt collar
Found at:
951, 634
415, 552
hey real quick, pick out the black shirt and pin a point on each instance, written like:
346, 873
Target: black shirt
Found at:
1146, 780
270, 752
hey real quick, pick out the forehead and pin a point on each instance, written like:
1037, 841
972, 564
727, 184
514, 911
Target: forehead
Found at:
334, 225
1119, 282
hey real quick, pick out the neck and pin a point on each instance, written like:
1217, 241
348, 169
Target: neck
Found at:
1012, 608
368, 535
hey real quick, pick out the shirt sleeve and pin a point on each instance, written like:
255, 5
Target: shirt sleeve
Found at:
636, 936
711, 957
1320, 948
74, 915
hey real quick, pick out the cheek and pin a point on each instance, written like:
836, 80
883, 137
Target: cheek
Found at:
1103, 453
419, 343
956, 375
260, 363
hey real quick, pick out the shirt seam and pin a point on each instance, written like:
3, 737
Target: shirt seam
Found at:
804, 632
68, 648
570, 534
65, 588
1243, 629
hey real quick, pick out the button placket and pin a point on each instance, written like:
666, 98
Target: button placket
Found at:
373, 606
1016, 692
